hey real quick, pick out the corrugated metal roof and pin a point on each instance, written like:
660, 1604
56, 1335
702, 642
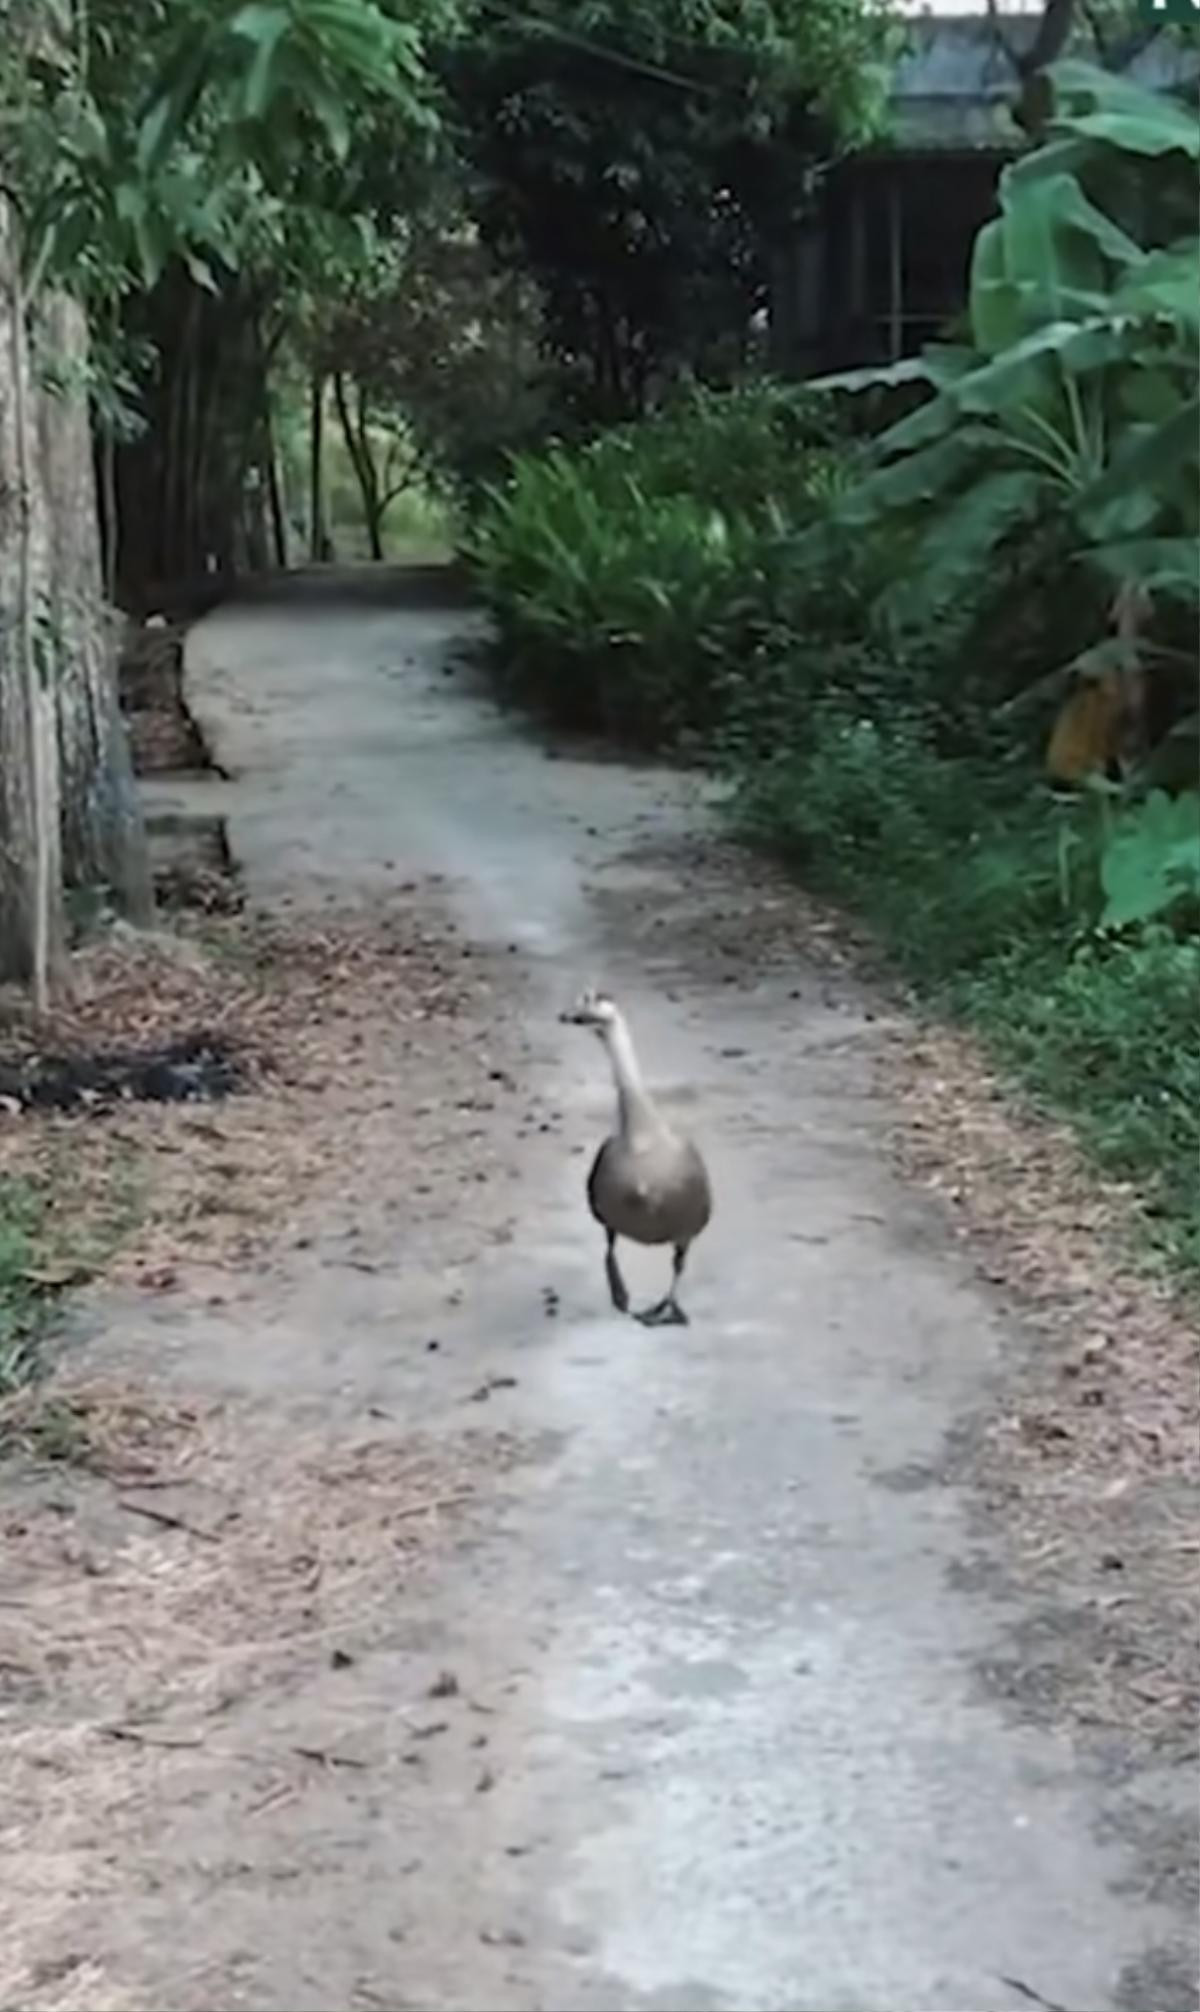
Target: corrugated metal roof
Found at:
954, 86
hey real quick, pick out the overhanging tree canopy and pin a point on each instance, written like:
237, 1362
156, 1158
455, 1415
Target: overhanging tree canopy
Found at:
640, 163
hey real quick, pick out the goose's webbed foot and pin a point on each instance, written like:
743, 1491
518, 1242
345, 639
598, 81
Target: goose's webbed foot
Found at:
665, 1313
668, 1312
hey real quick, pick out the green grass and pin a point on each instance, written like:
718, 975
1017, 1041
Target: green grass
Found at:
24, 1305
1110, 1040
54, 1237
962, 872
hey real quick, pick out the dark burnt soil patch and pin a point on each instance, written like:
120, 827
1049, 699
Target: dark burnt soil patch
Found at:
345, 1037
198, 1068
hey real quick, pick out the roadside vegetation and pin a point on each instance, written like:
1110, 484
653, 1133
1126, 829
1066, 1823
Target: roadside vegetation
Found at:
947, 664
56, 1232
22, 1307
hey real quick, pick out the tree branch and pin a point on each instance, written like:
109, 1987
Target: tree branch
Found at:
360, 461
1051, 39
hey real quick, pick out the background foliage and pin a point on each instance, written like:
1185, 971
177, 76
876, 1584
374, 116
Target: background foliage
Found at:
951, 671
592, 128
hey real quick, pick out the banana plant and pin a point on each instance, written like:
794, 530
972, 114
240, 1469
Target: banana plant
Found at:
1079, 392
1150, 865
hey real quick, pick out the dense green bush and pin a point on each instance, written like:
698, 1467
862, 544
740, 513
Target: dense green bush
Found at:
630, 580
987, 891
868, 808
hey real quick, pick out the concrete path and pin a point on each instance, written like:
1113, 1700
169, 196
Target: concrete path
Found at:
738, 1756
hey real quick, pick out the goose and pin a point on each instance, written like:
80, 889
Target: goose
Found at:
646, 1183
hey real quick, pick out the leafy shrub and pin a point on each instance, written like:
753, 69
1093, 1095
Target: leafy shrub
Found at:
629, 580
761, 450
869, 808
987, 892
1151, 862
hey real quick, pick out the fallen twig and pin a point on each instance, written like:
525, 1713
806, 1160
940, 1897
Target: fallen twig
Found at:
435, 1502
168, 1521
1034, 1997
282, 1792
133, 1736
327, 1758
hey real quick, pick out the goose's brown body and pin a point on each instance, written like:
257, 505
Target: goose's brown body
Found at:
647, 1182
653, 1190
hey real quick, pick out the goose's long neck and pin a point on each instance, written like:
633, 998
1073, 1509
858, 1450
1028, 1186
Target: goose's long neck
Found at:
637, 1113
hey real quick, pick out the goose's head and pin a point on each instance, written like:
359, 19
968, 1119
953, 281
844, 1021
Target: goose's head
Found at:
592, 1009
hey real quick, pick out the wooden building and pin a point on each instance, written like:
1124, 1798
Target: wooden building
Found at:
881, 265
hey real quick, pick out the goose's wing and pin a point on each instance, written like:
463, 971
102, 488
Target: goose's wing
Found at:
609, 1182
657, 1192
687, 1203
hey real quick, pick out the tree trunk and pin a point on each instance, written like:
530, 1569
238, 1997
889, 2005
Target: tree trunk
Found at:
267, 465
32, 931
103, 836
1053, 33
106, 453
318, 543
358, 447
181, 484
275, 500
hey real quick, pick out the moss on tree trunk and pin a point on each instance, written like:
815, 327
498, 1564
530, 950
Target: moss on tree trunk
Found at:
103, 836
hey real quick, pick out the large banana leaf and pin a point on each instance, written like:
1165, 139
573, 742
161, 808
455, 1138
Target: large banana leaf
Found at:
1153, 472
1029, 373
1168, 566
1049, 256
917, 479
1135, 133
1096, 104
1166, 283
939, 363
956, 547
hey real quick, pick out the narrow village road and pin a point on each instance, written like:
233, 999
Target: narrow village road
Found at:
716, 1739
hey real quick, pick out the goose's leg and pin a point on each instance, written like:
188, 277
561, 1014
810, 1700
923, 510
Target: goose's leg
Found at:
618, 1290
668, 1312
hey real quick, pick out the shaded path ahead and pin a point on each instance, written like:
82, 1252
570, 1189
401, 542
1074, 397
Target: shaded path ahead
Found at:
737, 1753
